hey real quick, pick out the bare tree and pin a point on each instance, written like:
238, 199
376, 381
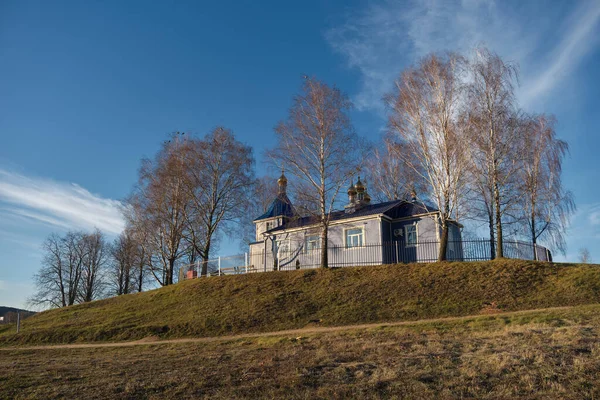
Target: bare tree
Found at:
58, 281
157, 208
137, 228
494, 146
219, 184
584, 256
318, 147
546, 205
95, 259
142, 260
425, 108
390, 177
193, 190
124, 257
265, 189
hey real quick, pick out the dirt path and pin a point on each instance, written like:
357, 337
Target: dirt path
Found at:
289, 332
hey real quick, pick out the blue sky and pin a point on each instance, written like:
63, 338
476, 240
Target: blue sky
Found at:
89, 88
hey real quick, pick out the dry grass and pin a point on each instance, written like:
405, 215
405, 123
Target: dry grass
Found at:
287, 300
547, 354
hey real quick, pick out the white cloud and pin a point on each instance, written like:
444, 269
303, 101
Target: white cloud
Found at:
580, 37
29, 216
64, 205
384, 38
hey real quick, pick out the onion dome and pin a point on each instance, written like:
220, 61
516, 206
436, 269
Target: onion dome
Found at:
367, 198
282, 181
359, 186
413, 195
351, 190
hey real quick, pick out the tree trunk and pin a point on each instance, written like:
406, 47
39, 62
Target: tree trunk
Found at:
324, 259
204, 271
492, 240
443, 242
126, 279
141, 277
499, 239
169, 276
62, 289
533, 238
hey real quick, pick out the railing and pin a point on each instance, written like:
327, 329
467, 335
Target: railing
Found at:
231, 265
368, 254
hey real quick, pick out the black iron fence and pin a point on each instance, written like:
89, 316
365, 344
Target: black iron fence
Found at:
392, 253
368, 254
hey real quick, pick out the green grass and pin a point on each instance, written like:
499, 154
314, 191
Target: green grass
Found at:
547, 354
8, 328
287, 300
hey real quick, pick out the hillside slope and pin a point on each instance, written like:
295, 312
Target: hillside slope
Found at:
285, 300
545, 354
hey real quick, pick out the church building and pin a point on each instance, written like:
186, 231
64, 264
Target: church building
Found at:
363, 233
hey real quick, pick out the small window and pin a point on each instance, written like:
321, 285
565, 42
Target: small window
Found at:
354, 237
312, 242
269, 225
411, 235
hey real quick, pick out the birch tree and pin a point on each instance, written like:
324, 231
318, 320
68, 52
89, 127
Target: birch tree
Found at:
494, 139
317, 146
546, 205
390, 176
585, 256
425, 107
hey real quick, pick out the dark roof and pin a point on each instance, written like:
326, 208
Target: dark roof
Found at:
281, 206
393, 209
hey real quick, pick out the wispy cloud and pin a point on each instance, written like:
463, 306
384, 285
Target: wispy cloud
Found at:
593, 215
548, 40
59, 204
581, 35
382, 39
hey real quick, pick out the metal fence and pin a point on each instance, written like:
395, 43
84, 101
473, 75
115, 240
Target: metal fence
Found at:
368, 254
231, 265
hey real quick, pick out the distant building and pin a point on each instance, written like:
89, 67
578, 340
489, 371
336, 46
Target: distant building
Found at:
361, 234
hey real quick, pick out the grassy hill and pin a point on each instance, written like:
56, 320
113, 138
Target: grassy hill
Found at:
286, 300
544, 354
